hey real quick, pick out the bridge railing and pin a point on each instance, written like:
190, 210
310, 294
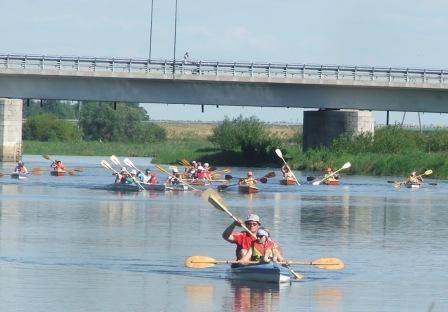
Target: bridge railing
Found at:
224, 69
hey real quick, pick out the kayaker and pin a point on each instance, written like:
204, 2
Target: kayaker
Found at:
20, 168
153, 178
58, 166
174, 178
263, 249
249, 180
414, 179
287, 174
243, 240
329, 173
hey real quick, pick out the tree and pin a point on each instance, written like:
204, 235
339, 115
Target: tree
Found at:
48, 127
126, 122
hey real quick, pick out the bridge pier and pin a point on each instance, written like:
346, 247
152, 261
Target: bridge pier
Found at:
10, 130
321, 127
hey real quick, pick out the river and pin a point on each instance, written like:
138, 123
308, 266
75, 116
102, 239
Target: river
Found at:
68, 245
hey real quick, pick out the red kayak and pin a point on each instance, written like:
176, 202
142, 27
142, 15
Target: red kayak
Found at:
331, 182
57, 173
247, 189
288, 182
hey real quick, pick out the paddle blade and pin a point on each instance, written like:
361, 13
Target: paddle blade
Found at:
200, 262
1, 174
71, 172
227, 170
128, 163
317, 182
185, 162
328, 264
46, 157
269, 175
214, 198
279, 153
428, 172
79, 169
115, 160
263, 180
346, 165
228, 177
309, 179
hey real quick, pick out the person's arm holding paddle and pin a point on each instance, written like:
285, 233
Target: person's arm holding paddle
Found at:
228, 232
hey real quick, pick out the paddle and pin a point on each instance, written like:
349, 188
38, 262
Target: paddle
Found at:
345, 166
106, 165
116, 161
279, 154
216, 200
169, 174
202, 262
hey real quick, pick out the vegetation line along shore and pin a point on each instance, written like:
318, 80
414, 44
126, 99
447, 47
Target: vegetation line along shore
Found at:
125, 129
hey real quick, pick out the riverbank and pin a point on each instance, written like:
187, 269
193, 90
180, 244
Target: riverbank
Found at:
171, 151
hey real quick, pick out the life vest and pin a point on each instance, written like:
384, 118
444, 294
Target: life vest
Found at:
153, 180
260, 250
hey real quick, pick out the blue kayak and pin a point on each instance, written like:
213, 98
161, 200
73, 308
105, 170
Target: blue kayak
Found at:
270, 272
123, 187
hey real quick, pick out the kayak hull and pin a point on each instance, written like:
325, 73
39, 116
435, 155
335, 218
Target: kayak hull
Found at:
270, 272
19, 176
331, 182
288, 182
57, 173
411, 185
247, 189
177, 187
153, 187
123, 187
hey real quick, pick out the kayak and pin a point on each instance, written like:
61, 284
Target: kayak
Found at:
153, 187
331, 182
288, 182
177, 187
413, 185
247, 189
124, 187
19, 175
270, 272
57, 173
197, 182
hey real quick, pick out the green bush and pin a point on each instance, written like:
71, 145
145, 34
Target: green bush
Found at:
248, 136
127, 123
48, 127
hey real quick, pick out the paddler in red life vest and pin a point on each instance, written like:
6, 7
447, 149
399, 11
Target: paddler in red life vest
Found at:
58, 166
208, 174
20, 168
153, 178
263, 249
243, 240
200, 173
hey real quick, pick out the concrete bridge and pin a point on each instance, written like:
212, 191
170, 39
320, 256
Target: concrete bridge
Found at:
325, 87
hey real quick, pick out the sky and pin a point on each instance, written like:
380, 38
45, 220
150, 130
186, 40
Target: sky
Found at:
391, 33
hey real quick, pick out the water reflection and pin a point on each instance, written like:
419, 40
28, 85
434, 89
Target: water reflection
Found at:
251, 296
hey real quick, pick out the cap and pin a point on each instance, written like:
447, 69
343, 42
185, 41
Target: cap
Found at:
133, 171
200, 168
148, 170
206, 165
253, 217
193, 162
123, 169
414, 173
175, 170
250, 173
262, 232
21, 163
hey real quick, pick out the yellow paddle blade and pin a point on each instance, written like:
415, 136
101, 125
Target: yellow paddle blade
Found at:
227, 170
214, 198
428, 172
200, 262
79, 169
185, 162
160, 168
46, 157
328, 264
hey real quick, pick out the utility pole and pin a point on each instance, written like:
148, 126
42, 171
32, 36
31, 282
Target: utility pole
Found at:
150, 30
175, 39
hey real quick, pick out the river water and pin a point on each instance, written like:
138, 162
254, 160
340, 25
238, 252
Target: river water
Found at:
67, 245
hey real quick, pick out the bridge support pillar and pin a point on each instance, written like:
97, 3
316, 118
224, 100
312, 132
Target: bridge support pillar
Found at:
10, 129
321, 127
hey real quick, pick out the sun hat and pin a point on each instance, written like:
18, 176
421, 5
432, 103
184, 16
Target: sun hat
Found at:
262, 232
253, 217
133, 171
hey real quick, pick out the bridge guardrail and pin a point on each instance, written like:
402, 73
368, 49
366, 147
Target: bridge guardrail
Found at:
224, 69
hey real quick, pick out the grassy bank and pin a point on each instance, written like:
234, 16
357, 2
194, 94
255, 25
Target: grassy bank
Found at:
165, 152
370, 163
